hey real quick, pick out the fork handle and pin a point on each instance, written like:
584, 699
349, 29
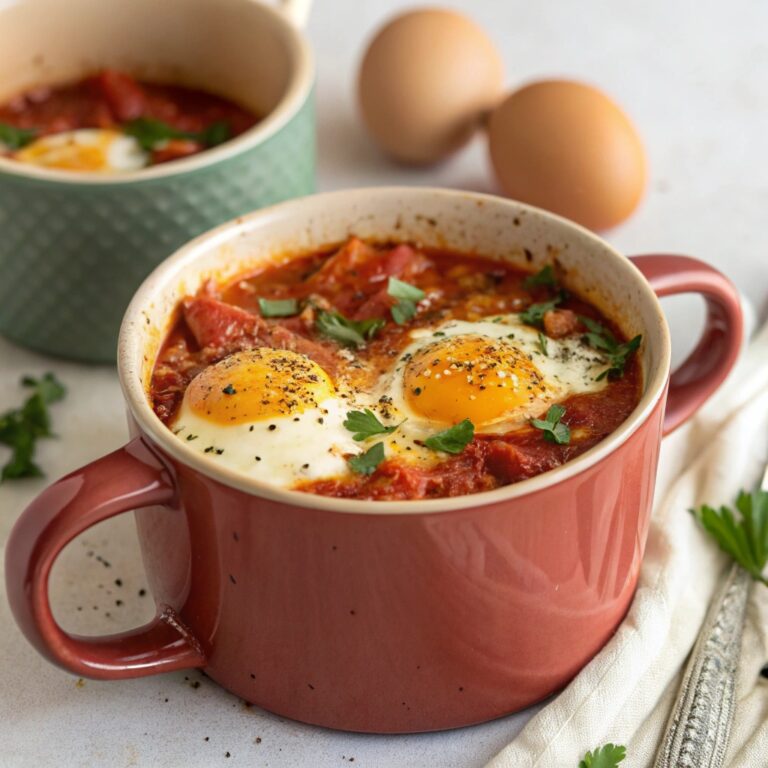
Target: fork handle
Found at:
699, 726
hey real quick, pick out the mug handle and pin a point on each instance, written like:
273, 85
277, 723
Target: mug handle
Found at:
129, 478
710, 362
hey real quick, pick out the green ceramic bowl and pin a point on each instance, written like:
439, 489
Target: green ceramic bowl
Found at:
75, 246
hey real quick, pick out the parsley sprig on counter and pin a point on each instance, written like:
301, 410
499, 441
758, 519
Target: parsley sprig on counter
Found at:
599, 337
351, 333
20, 428
607, 756
743, 537
553, 428
150, 132
16, 138
454, 439
408, 297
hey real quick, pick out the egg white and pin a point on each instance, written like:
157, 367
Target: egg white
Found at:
282, 450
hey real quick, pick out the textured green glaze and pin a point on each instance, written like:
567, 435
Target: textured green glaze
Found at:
72, 255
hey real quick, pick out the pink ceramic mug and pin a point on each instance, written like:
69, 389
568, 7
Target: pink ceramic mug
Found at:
379, 616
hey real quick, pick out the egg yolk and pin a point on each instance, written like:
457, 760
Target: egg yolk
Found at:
256, 385
72, 152
471, 377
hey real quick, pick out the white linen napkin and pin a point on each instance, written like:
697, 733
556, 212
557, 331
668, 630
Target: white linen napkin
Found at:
625, 694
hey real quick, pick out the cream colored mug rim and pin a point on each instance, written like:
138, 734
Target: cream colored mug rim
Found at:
296, 94
131, 350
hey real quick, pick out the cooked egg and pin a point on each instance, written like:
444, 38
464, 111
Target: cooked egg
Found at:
272, 414
87, 149
277, 416
498, 372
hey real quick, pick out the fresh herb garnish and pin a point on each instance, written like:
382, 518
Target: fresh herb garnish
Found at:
407, 295
150, 132
16, 138
542, 340
607, 756
744, 539
454, 439
545, 277
554, 430
21, 427
601, 338
365, 424
229, 390
366, 463
278, 307
347, 332
534, 315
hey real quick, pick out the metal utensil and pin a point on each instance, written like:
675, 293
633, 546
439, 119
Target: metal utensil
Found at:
699, 726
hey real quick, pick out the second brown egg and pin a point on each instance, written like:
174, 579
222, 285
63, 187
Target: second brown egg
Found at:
567, 147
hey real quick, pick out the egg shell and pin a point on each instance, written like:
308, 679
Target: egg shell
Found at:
424, 83
567, 147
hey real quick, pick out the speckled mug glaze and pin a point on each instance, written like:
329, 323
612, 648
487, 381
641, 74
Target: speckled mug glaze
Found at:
379, 616
75, 246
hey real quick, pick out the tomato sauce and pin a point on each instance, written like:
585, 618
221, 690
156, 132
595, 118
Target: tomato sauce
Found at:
352, 280
112, 100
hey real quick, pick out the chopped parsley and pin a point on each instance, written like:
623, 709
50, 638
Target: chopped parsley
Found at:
16, 138
607, 756
454, 439
21, 427
366, 463
365, 424
534, 315
229, 390
599, 337
542, 340
278, 307
408, 297
150, 133
348, 332
744, 538
554, 430
543, 278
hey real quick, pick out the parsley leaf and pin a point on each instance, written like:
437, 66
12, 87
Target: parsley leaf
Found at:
16, 138
21, 427
554, 430
407, 295
607, 756
543, 344
365, 424
600, 338
214, 134
347, 332
454, 439
744, 539
545, 277
150, 132
366, 463
278, 307
534, 315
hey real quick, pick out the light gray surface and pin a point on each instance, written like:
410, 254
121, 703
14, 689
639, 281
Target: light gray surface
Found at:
692, 75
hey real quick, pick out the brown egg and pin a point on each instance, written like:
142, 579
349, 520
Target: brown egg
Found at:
425, 81
567, 147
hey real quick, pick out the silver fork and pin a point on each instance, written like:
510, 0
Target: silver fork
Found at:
699, 726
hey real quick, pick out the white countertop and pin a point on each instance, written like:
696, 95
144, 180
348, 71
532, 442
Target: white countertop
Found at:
692, 75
